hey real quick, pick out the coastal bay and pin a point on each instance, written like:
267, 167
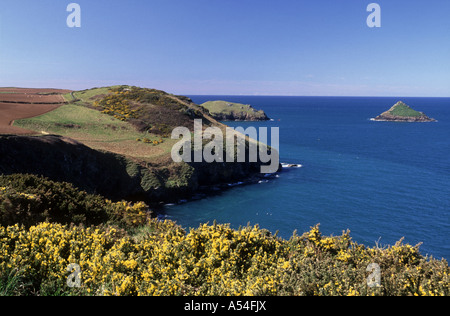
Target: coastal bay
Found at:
383, 182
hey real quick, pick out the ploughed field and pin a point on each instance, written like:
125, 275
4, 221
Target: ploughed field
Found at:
19, 103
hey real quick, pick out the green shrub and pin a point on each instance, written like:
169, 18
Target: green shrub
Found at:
29, 200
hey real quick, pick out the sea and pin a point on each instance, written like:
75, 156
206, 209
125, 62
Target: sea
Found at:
383, 181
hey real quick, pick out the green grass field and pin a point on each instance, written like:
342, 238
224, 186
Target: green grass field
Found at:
97, 130
90, 93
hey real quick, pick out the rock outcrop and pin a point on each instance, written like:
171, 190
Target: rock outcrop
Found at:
228, 111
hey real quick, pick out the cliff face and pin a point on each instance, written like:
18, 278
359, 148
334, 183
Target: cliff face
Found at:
63, 159
240, 116
114, 176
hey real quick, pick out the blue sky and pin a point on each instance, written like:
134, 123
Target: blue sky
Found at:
250, 47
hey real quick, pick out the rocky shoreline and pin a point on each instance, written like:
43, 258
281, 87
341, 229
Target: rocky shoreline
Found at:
392, 118
205, 191
240, 117
117, 177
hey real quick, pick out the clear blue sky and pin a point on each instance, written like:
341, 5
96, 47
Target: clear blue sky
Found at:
283, 47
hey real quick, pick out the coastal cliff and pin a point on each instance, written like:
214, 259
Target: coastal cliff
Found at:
115, 176
228, 111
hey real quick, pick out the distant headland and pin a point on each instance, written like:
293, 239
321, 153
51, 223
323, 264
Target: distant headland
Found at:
401, 112
228, 111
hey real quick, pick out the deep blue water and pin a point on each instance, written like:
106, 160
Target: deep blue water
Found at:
381, 180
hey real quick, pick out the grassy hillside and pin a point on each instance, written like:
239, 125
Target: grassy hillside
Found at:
98, 131
89, 95
126, 120
401, 109
149, 109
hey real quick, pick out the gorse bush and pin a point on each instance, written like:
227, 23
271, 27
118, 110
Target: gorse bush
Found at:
117, 105
210, 260
149, 110
154, 142
29, 200
119, 102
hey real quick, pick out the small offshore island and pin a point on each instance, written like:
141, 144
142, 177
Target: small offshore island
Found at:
228, 111
401, 112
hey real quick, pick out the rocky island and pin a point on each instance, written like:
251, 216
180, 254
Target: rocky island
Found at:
228, 111
401, 112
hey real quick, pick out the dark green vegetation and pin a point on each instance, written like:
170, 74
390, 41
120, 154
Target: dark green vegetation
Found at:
227, 111
401, 112
29, 200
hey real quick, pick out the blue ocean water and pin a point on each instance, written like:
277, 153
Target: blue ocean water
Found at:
381, 180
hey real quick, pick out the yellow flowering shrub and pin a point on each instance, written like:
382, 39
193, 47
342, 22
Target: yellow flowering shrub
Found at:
117, 105
132, 215
210, 260
5, 190
146, 140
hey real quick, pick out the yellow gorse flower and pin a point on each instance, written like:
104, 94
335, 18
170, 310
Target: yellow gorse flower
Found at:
117, 105
211, 260
14, 192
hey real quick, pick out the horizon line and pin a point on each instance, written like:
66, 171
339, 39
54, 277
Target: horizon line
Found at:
311, 96
241, 95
